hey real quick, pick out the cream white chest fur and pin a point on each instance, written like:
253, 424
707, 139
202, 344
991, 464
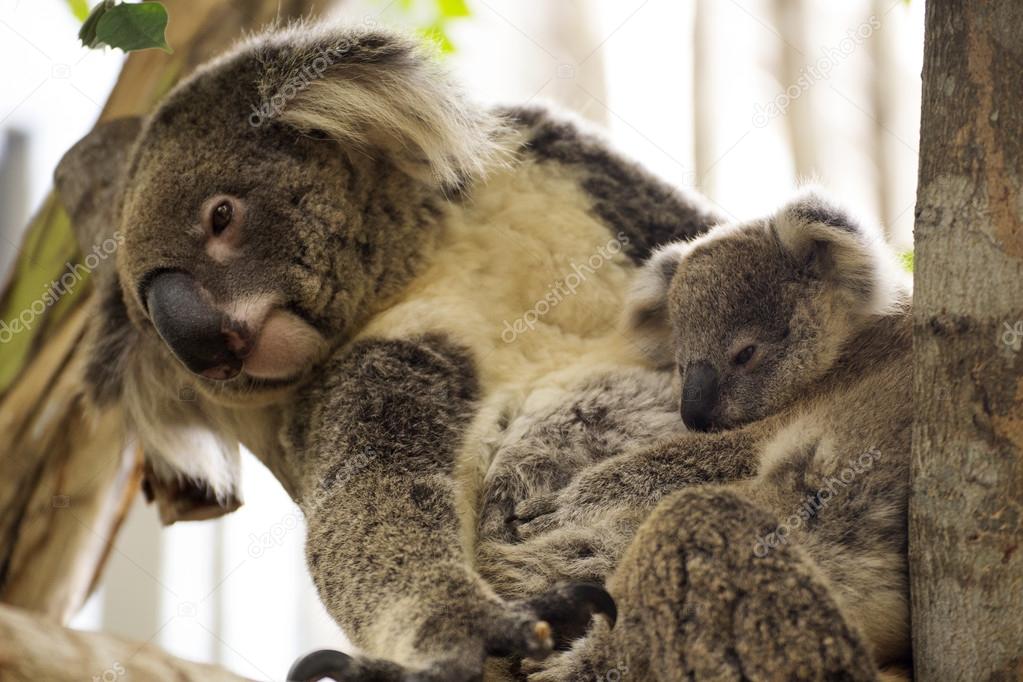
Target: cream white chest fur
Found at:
532, 283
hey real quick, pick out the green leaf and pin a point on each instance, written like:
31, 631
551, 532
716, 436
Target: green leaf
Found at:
27, 307
87, 34
80, 8
134, 27
907, 260
453, 8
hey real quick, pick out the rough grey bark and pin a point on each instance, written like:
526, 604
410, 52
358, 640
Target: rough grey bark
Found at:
966, 513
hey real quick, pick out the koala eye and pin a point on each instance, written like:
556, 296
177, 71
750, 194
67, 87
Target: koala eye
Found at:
745, 355
220, 213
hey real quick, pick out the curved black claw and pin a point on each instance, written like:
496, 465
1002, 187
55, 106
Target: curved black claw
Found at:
317, 665
569, 608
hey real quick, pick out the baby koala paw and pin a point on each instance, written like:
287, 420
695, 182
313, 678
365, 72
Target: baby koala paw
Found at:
587, 502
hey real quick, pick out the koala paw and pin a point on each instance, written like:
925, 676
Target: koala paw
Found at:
531, 629
571, 555
538, 515
558, 616
568, 610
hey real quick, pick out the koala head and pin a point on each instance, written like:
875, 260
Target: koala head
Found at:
277, 195
268, 206
751, 314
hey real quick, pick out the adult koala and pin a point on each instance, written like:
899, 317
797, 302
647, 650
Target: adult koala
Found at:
379, 290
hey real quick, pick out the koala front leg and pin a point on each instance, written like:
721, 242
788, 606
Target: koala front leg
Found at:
634, 482
580, 532
373, 445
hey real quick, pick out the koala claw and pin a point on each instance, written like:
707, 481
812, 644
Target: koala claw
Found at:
567, 610
555, 619
323, 663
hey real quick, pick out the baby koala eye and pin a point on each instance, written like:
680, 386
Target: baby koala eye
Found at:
745, 355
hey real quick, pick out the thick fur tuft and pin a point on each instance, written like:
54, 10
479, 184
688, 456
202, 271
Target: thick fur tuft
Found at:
378, 90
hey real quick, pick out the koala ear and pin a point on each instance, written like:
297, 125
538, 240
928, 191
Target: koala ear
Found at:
647, 318
88, 180
123, 365
832, 246
372, 89
89, 175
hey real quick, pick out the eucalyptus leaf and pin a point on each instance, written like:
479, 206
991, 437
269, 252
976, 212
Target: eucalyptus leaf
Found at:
132, 27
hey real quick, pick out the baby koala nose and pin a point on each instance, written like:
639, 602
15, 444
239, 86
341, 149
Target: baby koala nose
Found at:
203, 338
699, 396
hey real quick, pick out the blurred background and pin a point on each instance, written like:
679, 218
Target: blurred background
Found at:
742, 100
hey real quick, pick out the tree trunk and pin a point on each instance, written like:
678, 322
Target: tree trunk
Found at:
966, 511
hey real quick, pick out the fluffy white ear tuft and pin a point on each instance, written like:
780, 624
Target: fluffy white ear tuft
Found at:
371, 89
646, 319
832, 245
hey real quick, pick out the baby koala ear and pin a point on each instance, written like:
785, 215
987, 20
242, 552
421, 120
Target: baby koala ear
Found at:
830, 245
646, 318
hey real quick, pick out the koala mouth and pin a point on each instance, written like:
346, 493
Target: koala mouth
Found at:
254, 335
284, 346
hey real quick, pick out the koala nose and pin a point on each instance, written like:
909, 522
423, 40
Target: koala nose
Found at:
699, 396
197, 333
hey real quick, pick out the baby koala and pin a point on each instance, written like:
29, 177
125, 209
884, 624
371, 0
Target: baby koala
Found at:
791, 338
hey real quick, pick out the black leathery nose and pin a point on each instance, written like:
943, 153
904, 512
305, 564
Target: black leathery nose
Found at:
190, 326
699, 396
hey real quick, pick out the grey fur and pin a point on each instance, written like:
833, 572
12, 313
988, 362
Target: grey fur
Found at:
345, 190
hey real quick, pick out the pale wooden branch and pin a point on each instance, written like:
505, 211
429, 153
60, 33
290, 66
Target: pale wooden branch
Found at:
33, 649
